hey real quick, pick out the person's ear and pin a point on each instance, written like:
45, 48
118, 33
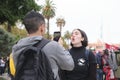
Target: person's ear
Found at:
82, 39
42, 28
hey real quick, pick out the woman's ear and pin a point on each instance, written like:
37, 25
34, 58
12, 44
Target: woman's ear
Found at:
82, 39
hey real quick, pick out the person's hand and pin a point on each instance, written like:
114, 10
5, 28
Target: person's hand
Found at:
60, 41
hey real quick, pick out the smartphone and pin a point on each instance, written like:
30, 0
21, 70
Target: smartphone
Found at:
57, 35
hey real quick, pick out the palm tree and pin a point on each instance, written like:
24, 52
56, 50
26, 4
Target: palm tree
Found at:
60, 23
67, 36
48, 12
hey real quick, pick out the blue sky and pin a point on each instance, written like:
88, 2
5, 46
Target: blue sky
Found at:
100, 19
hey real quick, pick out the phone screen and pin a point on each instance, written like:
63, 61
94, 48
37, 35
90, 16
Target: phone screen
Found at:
57, 35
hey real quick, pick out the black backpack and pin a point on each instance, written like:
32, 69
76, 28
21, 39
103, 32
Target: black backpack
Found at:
33, 64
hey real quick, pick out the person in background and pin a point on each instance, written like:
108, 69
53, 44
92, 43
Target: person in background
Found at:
81, 71
117, 72
2, 65
108, 68
99, 65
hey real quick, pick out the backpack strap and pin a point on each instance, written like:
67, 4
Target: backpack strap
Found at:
11, 65
44, 63
42, 43
87, 56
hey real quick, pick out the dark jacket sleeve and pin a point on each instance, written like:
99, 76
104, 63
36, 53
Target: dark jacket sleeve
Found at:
92, 67
92, 71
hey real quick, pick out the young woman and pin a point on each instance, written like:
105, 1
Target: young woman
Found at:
83, 70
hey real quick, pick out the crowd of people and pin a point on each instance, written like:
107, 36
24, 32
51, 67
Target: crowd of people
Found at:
107, 64
74, 64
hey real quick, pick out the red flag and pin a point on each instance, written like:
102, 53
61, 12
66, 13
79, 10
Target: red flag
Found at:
107, 46
115, 47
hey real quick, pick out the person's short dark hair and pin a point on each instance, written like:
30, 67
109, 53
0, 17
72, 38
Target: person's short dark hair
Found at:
85, 41
106, 51
32, 21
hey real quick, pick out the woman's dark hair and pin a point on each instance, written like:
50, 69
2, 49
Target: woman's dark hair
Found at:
85, 41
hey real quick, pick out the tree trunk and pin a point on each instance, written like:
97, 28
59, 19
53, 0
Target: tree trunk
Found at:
61, 30
48, 36
9, 27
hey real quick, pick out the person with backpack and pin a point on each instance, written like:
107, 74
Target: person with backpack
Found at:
57, 56
84, 59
